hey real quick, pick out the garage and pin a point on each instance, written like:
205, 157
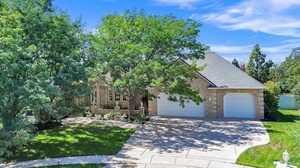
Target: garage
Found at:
239, 105
166, 107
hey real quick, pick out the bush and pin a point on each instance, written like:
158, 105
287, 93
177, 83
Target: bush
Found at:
99, 117
88, 114
13, 139
296, 92
271, 98
115, 115
138, 118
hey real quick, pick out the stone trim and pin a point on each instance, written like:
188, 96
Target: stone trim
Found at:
214, 100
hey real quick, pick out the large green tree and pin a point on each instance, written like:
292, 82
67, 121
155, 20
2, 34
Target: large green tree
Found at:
42, 62
258, 67
141, 51
287, 74
296, 92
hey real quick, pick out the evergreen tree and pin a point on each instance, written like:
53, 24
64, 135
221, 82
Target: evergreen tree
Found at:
258, 67
236, 63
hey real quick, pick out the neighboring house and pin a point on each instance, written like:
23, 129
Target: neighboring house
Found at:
228, 92
296, 52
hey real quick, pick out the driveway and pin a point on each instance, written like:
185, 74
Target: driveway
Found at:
174, 142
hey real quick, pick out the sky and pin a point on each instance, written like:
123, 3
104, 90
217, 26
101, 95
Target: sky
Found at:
230, 27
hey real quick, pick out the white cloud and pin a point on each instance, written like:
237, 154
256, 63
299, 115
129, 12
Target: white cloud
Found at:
181, 3
230, 49
276, 53
268, 16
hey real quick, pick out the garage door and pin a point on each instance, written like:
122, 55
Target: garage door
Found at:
166, 107
239, 105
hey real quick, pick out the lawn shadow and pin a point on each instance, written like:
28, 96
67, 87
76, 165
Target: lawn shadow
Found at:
287, 117
75, 140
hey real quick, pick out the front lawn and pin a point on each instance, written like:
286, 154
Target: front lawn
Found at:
75, 140
284, 134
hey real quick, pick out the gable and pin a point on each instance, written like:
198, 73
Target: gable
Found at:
225, 75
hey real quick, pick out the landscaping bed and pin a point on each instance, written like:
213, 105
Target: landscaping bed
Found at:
284, 135
74, 140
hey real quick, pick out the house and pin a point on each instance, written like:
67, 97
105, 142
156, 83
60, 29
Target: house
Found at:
296, 52
227, 91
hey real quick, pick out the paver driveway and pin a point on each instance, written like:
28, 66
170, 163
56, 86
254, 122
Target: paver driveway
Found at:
173, 142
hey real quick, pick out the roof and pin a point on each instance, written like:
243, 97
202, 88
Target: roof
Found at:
296, 52
223, 74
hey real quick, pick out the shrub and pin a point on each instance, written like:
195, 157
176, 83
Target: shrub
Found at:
88, 113
296, 92
100, 117
115, 115
271, 98
138, 118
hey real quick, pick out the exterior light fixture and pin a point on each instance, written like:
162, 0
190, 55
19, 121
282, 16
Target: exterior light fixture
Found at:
285, 157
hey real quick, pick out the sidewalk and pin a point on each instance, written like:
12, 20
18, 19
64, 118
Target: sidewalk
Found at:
115, 162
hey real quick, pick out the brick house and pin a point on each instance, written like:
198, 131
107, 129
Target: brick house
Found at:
228, 92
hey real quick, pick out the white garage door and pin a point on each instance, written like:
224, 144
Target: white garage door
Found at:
166, 107
239, 105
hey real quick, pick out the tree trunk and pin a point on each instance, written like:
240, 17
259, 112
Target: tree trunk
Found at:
145, 105
44, 117
131, 102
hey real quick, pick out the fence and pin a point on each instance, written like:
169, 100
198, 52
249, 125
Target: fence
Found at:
288, 102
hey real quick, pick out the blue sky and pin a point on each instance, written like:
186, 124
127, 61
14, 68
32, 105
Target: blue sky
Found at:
229, 27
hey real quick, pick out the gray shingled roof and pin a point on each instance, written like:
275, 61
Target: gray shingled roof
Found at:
223, 74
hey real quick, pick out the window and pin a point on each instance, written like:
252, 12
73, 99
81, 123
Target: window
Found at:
110, 95
117, 96
124, 98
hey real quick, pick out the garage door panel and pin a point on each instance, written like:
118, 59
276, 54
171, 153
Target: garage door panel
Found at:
239, 105
170, 108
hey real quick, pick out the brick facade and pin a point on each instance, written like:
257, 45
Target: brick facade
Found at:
104, 100
214, 99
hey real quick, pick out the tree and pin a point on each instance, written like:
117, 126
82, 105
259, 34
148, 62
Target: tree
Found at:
42, 63
287, 74
258, 67
14, 132
141, 51
236, 63
296, 92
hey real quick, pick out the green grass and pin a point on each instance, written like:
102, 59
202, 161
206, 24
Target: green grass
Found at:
284, 134
75, 140
77, 166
